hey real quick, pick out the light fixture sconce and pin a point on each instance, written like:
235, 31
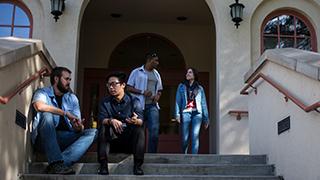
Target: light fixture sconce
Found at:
236, 12
57, 7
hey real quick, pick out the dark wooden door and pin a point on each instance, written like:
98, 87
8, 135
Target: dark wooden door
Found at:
169, 137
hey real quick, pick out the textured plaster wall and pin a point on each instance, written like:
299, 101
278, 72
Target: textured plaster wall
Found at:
294, 152
309, 8
237, 50
14, 140
234, 51
61, 37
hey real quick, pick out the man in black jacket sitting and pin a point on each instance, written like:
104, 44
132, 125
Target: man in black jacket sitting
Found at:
121, 124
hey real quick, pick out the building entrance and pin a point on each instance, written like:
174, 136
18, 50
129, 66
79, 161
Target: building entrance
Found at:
128, 55
115, 35
169, 138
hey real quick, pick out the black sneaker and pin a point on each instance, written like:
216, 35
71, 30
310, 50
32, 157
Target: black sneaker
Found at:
59, 168
137, 170
103, 170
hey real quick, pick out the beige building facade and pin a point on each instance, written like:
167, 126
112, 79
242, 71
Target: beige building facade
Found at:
85, 37
92, 35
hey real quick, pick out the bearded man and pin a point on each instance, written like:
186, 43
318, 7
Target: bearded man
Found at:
57, 128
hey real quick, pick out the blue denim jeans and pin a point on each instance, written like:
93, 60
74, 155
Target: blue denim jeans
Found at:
191, 122
151, 117
66, 146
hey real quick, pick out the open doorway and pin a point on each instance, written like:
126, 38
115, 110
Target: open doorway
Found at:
116, 35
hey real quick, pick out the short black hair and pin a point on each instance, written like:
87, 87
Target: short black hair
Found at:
57, 71
118, 74
151, 54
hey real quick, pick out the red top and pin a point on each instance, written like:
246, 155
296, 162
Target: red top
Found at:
191, 104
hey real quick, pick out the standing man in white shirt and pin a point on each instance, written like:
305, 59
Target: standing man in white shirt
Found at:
145, 83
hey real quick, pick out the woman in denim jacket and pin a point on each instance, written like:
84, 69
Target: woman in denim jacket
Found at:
191, 110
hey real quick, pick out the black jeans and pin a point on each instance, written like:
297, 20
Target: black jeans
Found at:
131, 140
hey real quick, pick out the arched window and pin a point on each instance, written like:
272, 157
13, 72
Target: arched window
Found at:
15, 19
286, 28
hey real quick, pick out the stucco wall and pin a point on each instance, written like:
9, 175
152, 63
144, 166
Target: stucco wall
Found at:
308, 8
237, 49
14, 150
61, 37
295, 152
233, 54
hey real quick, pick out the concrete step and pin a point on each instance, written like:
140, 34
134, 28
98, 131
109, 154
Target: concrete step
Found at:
187, 169
166, 166
178, 158
90, 157
205, 159
125, 168
145, 177
40, 168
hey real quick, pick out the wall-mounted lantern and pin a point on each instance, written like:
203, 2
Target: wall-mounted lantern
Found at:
236, 12
57, 7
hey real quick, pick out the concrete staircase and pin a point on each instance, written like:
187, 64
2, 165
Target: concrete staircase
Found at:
165, 166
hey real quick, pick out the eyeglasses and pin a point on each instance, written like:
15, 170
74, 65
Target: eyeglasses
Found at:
112, 84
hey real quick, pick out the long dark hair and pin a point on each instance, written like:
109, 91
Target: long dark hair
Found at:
195, 74
195, 85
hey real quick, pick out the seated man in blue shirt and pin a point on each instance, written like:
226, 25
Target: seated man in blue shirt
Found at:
121, 119
57, 128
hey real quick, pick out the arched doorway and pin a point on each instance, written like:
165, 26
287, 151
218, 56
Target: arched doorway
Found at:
130, 52
115, 36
